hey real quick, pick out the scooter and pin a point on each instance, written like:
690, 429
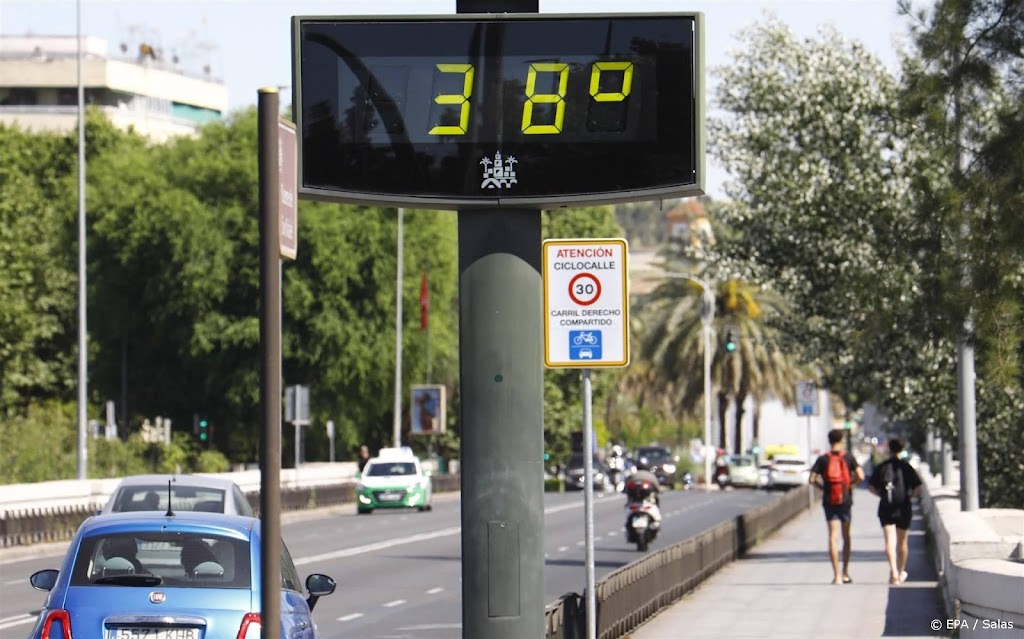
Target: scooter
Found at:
686, 481
617, 473
643, 520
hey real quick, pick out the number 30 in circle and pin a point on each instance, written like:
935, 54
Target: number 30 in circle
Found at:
584, 289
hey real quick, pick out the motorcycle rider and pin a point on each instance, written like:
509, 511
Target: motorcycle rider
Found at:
616, 465
642, 486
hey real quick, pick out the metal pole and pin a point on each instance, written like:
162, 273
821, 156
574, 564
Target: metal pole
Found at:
501, 363
810, 458
298, 437
588, 503
270, 365
330, 433
427, 336
708, 317
947, 464
965, 379
83, 338
397, 426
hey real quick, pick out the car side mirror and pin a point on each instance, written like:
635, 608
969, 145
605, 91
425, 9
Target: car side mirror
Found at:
318, 586
44, 579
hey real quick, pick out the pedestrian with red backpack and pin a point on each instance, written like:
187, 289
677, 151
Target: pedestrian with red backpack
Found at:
835, 473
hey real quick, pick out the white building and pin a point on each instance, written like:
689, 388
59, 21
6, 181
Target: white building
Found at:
39, 87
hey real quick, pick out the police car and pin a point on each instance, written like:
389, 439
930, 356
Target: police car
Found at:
393, 479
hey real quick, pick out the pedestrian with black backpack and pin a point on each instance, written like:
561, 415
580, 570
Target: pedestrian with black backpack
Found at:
896, 483
835, 473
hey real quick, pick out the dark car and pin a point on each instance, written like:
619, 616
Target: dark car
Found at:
574, 474
660, 461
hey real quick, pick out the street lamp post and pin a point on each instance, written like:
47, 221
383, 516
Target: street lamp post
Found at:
707, 316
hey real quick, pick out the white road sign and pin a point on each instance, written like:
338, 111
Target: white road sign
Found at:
807, 398
586, 303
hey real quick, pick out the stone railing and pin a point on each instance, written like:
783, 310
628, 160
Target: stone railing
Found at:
979, 557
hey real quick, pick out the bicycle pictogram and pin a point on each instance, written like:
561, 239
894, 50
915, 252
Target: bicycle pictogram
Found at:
584, 337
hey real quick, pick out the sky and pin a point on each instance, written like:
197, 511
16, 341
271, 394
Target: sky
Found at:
247, 44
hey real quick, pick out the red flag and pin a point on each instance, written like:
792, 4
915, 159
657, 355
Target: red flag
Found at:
424, 302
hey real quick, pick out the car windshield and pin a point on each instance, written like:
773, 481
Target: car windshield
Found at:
742, 461
183, 498
654, 454
165, 558
391, 469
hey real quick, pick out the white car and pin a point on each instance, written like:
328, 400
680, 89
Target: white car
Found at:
393, 479
186, 492
787, 472
743, 471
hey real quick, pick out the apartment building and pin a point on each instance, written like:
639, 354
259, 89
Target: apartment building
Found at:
136, 89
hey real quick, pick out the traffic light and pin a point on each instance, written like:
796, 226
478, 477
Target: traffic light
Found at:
204, 429
730, 343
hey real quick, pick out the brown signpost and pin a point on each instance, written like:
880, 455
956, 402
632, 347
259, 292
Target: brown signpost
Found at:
287, 162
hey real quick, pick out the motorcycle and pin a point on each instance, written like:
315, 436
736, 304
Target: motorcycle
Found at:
643, 520
617, 473
722, 476
686, 481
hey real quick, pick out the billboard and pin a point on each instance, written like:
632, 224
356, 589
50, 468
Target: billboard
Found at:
427, 409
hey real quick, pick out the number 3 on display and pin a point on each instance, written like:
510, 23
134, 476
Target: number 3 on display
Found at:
532, 97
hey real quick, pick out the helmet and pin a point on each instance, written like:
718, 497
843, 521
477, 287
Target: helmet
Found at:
616, 450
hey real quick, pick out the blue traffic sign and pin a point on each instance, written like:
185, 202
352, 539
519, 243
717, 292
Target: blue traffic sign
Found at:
584, 345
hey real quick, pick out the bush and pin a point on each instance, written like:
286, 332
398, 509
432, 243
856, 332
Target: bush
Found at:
553, 485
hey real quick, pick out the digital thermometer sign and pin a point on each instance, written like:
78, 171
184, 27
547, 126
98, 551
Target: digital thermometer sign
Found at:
530, 111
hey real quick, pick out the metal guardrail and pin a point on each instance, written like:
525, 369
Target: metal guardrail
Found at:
632, 594
41, 525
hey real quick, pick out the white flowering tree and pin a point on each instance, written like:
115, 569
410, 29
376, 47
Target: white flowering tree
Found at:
824, 209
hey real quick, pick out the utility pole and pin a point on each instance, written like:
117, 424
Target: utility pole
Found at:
396, 432
965, 377
83, 335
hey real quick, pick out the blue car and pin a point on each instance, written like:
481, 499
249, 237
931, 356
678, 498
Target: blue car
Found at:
151, 575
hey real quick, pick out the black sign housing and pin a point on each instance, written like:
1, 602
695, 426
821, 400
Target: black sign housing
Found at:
531, 111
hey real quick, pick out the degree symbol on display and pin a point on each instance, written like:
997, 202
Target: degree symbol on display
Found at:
584, 289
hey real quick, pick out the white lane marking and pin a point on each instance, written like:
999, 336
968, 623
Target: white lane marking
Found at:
14, 581
580, 543
16, 620
434, 591
433, 626
391, 543
563, 548
392, 604
354, 615
381, 545
612, 533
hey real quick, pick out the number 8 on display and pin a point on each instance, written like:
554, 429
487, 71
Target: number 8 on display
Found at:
532, 97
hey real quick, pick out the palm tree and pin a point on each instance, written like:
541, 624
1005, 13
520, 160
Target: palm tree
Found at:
674, 344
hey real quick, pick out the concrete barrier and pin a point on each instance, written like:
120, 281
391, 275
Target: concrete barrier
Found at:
52, 511
979, 560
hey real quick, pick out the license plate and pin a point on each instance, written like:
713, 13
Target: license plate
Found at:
390, 497
155, 633
640, 523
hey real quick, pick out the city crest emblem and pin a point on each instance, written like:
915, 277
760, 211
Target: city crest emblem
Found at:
499, 172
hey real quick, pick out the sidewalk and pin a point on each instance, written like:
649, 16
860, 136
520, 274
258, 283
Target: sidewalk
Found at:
783, 588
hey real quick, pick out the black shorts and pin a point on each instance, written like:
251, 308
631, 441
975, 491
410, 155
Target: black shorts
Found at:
842, 512
900, 517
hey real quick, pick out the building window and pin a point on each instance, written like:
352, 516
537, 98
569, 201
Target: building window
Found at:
18, 96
